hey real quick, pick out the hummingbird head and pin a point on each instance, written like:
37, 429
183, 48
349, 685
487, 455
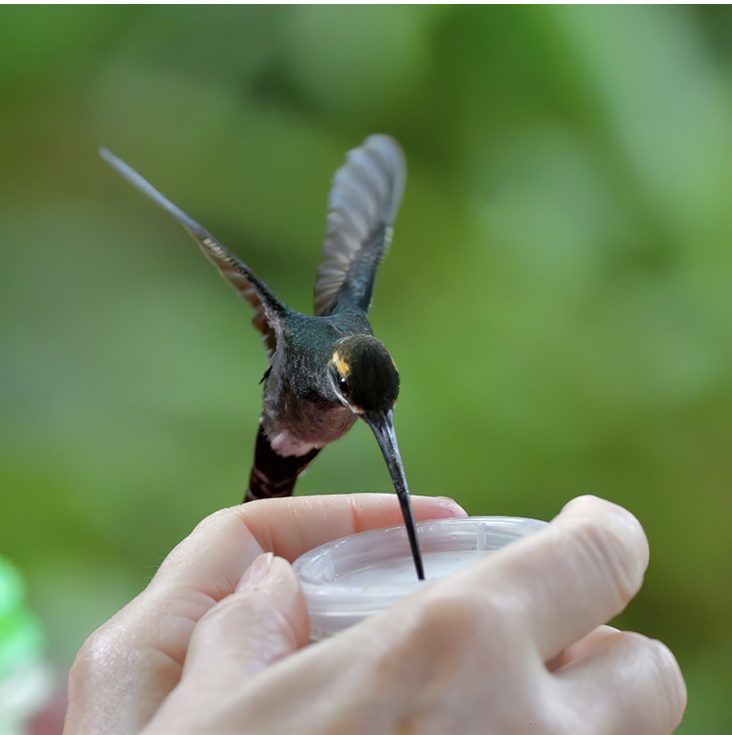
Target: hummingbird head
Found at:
366, 380
364, 375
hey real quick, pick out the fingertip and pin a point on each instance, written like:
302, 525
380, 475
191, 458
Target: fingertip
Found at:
273, 577
576, 574
671, 680
440, 506
634, 683
584, 506
295, 610
257, 572
263, 621
613, 519
588, 505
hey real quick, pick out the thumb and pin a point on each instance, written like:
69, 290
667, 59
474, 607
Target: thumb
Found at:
264, 620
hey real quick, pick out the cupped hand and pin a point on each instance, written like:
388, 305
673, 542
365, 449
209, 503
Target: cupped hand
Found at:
513, 645
127, 668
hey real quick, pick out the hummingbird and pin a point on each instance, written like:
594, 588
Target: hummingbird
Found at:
327, 370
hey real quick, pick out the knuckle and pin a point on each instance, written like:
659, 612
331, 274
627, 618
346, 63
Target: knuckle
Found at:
454, 614
462, 622
435, 640
253, 611
98, 652
213, 526
220, 521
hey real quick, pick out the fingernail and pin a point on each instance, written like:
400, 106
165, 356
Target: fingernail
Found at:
448, 499
256, 572
451, 505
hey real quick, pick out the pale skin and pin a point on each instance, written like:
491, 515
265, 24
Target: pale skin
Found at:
517, 645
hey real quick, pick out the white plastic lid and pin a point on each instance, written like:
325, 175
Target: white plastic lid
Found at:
352, 578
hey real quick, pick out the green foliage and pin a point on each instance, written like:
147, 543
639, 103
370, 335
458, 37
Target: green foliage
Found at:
557, 297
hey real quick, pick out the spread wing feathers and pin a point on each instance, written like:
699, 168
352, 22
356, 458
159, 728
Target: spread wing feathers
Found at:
268, 310
362, 206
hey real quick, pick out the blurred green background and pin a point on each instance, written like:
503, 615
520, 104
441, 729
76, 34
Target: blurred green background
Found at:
558, 296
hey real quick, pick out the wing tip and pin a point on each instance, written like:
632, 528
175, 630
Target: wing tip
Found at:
108, 157
388, 151
383, 143
365, 197
378, 168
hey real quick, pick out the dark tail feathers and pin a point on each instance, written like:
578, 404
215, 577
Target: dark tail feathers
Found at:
274, 476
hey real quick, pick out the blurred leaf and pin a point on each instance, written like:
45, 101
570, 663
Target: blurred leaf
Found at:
35, 40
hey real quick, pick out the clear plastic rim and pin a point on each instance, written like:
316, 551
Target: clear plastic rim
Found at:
333, 602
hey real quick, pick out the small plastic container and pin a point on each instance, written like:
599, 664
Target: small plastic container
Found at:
348, 580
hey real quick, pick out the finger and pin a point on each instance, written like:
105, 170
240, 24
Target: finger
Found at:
206, 566
203, 569
627, 683
291, 526
581, 648
214, 557
565, 580
264, 620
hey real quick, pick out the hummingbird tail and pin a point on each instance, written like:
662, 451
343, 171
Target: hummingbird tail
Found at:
273, 476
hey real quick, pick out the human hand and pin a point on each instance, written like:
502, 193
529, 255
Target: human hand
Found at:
465, 655
128, 667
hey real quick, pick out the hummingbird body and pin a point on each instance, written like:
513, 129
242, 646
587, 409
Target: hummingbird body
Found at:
327, 370
301, 410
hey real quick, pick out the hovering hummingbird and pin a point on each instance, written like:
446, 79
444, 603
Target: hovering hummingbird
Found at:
327, 370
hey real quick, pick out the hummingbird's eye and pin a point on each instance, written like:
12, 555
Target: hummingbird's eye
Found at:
339, 380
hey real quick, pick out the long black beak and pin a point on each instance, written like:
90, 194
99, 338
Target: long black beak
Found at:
382, 424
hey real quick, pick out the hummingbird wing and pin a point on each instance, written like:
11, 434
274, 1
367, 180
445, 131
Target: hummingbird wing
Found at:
268, 310
362, 206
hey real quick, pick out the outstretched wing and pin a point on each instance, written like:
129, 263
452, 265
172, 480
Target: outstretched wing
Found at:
268, 310
362, 206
